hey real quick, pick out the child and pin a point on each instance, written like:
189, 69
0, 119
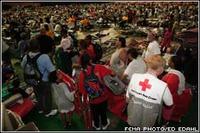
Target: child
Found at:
89, 84
63, 98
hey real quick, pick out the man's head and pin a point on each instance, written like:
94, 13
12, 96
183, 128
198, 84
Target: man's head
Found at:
121, 42
34, 45
132, 53
46, 44
175, 62
155, 63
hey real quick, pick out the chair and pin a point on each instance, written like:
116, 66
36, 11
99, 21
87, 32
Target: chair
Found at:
17, 104
11, 121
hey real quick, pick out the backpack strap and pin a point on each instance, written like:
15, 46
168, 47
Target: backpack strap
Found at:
92, 70
28, 59
92, 73
85, 74
36, 57
34, 62
98, 78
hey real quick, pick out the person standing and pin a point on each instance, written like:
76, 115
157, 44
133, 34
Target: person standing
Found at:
177, 86
65, 53
118, 59
137, 64
153, 48
23, 44
166, 41
44, 66
63, 98
146, 93
90, 47
90, 86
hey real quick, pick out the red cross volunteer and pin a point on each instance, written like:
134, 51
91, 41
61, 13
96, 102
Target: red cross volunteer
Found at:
145, 94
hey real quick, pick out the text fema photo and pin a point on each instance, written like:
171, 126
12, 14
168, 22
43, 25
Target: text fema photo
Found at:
193, 129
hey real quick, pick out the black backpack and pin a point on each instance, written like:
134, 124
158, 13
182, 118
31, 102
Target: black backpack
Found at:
31, 70
92, 85
57, 40
98, 52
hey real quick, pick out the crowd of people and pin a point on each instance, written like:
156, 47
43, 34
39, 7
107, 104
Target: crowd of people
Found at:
88, 14
143, 68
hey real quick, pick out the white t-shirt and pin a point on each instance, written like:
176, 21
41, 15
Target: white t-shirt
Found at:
149, 88
114, 57
152, 49
136, 66
116, 63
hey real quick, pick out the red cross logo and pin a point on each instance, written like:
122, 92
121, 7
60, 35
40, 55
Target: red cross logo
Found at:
145, 85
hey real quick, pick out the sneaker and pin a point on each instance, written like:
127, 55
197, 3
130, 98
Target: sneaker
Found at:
40, 111
106, 126
96, 128
53, 112
68, 124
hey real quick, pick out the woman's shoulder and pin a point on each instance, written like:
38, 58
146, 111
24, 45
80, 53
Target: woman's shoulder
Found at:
44, 56
123, 49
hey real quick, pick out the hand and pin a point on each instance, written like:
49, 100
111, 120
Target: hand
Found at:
73, 92
113, 73
127, 99
77, 66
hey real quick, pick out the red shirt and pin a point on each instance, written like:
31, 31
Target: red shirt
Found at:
167, 38
172, 81
100, 71
80, 56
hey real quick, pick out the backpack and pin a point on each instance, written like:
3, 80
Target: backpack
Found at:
59, 63
31, 71
92, 85
115, 84
98, 52
57, 39
61, 58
